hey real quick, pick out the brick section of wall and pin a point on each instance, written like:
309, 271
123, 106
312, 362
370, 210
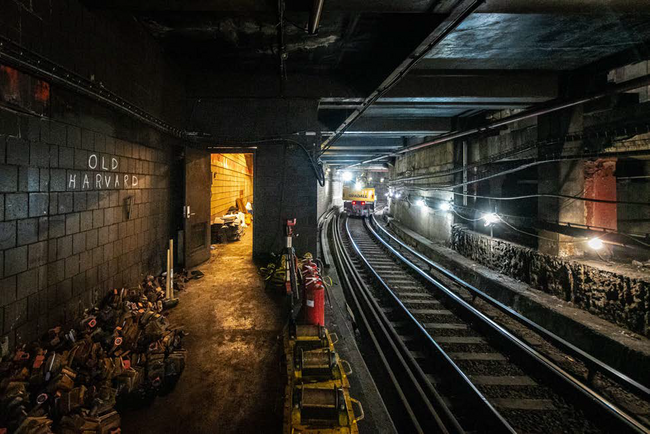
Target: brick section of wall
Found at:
62, 246
232, 178
616, 297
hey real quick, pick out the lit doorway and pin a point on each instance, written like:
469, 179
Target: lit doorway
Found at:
231, 200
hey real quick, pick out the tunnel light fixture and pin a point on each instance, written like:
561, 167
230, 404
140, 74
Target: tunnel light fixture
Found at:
490, 218
444, 206
358, 186
381, 180
595, 243
346, 176
398, 195
370, 179
420, 203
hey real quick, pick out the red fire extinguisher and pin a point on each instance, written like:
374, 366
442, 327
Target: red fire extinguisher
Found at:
314, 301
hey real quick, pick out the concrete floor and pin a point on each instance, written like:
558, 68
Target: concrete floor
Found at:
233, 381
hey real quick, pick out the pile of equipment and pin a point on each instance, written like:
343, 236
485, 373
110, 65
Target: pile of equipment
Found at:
318, 391
121, 353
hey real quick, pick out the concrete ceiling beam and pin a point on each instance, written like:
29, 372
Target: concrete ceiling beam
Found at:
493, 87
397, 127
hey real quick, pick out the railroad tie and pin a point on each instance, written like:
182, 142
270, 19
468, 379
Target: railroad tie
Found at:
444, 326
477, 356
523, 404
430, 312
459, 340
507, 380
414, 294
408, 288
420, 302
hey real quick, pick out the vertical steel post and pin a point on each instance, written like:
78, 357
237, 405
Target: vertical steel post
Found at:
465, 159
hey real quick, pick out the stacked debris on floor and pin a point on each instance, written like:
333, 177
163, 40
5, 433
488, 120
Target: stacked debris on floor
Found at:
230, 227
120, 354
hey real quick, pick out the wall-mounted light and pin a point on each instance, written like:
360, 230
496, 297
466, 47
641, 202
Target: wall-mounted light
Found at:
490, 218
370, 179
595, 243
358, 186
398, 195
346, 176
381, 180
421, 203
444, 206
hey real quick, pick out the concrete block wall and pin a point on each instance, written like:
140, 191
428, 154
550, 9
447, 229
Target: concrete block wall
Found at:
428, 222
84, 191
612, 294
232, 178
285, 188
67, 232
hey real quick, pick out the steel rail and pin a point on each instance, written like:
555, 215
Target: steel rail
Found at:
385, 348
599, 407
591, 362
479, 403
323, 230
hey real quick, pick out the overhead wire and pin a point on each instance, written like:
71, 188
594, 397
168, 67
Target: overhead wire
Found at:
531, 196
317, 166
501, 158
538, 236
453, 209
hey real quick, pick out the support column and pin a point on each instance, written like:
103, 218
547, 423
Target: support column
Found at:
565, 177
600, 183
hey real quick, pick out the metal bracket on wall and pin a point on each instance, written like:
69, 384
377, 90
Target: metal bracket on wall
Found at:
21, 58
128, 204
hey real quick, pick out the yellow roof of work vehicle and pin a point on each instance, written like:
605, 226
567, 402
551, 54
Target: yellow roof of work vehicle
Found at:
365, 194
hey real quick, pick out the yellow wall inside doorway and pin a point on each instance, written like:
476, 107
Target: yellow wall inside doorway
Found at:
232, 178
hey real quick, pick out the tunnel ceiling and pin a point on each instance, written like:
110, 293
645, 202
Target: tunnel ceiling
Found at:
509, 54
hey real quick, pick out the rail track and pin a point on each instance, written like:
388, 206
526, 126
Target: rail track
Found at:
445, 366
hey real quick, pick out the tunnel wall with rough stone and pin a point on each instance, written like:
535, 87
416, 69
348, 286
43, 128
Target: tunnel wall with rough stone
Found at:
616, 297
